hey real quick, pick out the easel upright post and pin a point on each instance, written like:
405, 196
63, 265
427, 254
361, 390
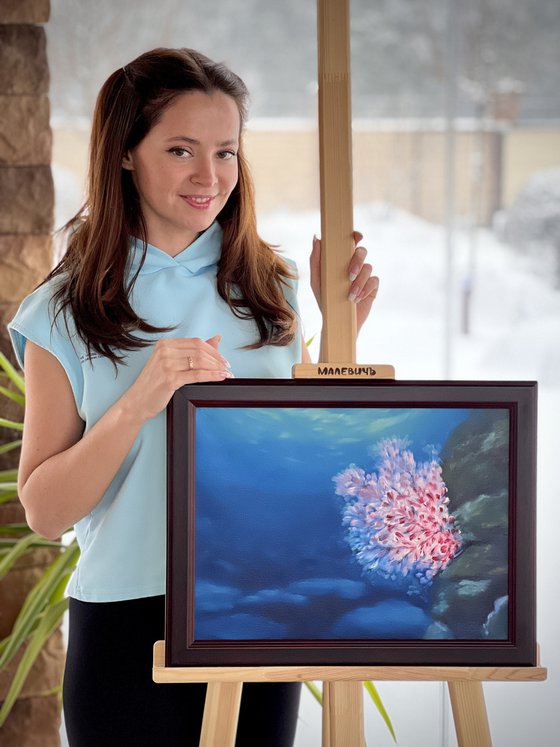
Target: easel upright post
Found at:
343, 701
343, 714
338, 341
338, 338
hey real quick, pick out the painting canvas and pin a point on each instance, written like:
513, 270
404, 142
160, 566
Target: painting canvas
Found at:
328, 523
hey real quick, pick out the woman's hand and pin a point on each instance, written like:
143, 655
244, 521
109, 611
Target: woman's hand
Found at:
362, 285
173, 363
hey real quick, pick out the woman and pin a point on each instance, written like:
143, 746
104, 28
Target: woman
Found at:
165, 283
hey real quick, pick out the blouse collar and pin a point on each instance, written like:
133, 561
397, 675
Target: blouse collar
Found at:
204, 252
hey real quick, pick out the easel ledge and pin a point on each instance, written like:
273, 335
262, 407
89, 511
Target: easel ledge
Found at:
342, 695
161, 673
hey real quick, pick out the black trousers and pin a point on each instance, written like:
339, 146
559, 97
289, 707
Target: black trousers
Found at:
110, 699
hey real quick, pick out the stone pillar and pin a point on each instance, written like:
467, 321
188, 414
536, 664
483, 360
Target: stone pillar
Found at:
26, 220
26, 186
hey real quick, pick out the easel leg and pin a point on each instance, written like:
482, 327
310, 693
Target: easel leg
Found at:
221, 713
469, 714
343, 714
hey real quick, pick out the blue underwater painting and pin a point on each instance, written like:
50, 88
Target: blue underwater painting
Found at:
353, 523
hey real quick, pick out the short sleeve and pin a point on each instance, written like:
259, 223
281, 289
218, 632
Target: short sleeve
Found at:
35, 320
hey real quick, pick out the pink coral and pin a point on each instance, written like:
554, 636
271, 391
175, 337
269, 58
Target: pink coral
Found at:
397, 519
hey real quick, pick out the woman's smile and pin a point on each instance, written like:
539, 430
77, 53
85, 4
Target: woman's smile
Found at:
199, 202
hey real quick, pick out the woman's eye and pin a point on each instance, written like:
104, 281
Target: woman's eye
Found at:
181, 152
225, 155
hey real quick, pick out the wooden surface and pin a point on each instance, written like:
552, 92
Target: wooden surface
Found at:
469, 714
332, 370
161, 673
343, 714
338, 340
221, 714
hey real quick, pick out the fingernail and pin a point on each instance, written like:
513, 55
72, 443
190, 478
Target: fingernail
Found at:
352, 275
353, 297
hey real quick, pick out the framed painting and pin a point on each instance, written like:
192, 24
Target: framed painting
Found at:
351, 523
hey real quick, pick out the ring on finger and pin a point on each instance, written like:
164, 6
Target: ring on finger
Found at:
190, 360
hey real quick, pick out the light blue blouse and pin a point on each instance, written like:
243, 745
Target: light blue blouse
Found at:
122, 540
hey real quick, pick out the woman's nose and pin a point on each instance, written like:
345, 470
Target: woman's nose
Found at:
205, 173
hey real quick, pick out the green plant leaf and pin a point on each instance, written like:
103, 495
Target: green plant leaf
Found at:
15, 377
14, 396
57, 595
42, 590
374, 695
315, 691
53, 691
19, 549
12, 532
7, 542
14, 548
10, 446
13, 424
7, 495
8, 491
37, 599
14, 528
49, 622
7, 475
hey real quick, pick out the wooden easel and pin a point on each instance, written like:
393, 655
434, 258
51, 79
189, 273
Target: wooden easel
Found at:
342, 686
342, 695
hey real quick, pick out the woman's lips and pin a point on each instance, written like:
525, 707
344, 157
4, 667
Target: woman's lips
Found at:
199, 202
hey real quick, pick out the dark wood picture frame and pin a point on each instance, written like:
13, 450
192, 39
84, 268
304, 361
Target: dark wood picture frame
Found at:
515, 401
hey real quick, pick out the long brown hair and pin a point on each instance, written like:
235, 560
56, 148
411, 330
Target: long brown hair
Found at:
93, 271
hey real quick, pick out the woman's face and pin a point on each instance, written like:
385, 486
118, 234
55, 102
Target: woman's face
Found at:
186, 167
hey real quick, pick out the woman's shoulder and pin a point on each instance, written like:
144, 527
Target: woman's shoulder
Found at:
39, 307
44, 295
38, 319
